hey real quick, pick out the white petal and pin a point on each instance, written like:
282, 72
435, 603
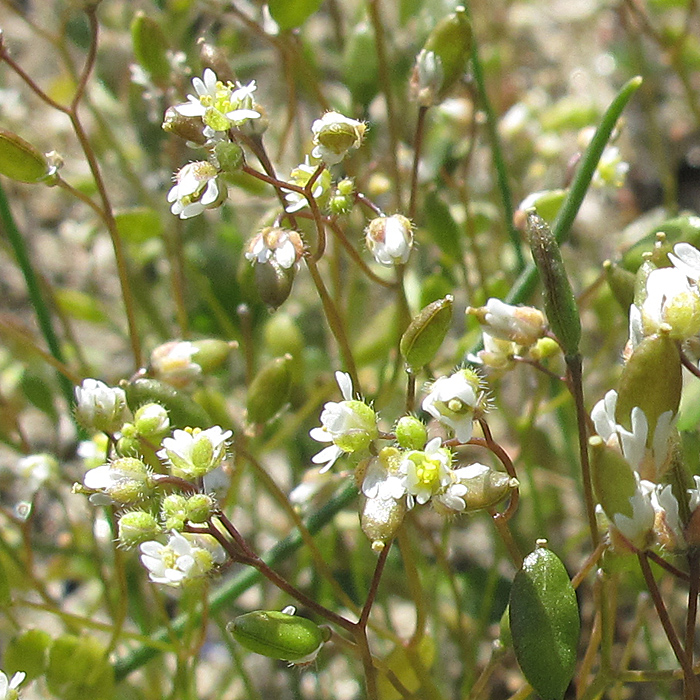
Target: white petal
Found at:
345, 384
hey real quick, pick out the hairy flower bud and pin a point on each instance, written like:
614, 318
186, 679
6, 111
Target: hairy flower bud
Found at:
411, 433
100, 407
389, 239
523, 325
151, 420
334, 135
137, 526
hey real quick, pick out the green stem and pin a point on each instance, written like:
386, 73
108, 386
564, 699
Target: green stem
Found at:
43, 314
230, 590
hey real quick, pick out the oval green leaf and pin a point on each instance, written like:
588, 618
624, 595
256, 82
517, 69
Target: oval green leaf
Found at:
290, 14
544, 623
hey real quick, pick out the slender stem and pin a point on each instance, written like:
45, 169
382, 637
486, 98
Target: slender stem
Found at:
692, 613
590, 562
417, 147
374, 586
690, 365
688, 674
410, 392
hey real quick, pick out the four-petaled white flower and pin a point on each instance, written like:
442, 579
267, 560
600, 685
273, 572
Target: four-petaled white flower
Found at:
124, 480
183, 559
523, 325
334, 135
427, 472
389, 239
220, 105
671, 302
8, 689
283, 246
100, 407
193, 452
456, 401
196, 188
638, 527
172, 362
350, 425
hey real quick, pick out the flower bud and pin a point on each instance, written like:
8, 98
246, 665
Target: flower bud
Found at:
424, 335
559, 301
381, 519
187, 128
334, 135
621, 283
125, 480
173, 363
173, 512
389, 239
199, 507
128, 444
451, 41
343, 199
278, 635
427, 78
544, 348
269, 390
411, 433
150, 48
523, 325
151, 420
100, 407
20, 160
229, 155
137, 526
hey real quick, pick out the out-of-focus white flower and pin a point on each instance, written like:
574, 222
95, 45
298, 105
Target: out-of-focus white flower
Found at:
667, 522
611, 170
672, 302
220, 105
497, 354
8, 689
523, 325
172, 363
282, 245
350, 425
193, 452
125, 480
185, 558
427, 77
196, 188
383, 477
100, 407
638, 528
94, 452
299, 177
389, 239
426, 472
456, 401
334, 135
634, 443
37, 470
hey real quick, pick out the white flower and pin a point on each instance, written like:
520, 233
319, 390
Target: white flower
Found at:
637, 528
427, 77
172, 363
671, 302
350, 425
426, 472
124, 480
283, 246
300, 176
8, 689
193, 452
220, 106
453, 496
389, 239
523, 325
686, 258
100, 407
456, 401
611, 170
334, 135
196, 189
182, 559
634, 443
667, 522
383, 478
497, 353
36, 470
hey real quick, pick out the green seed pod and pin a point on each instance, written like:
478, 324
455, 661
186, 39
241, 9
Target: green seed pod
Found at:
215, 58
269, 391
187, 128
278, 635
183, 411
613, 479
211, 353
19, 160
27, 652
361, 69
486, 487
273, 282
137, 526
652, 379
451, 41
559, 301
544, 623
411, 433
230, 156
424, 335
621, 283
150, 48
381, 519
290, 15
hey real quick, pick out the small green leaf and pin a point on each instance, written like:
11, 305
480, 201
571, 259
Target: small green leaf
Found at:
150, 47
38, 393
138, 224
544, 623
80, 305
79, 669
27, 652
290, 14
442, 227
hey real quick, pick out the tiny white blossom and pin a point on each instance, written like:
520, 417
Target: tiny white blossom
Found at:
637, 528
196, 188
8, 689
383, 478
281, 245
611, 170
672, 302
193, 453
350, 425
389, 239
455, 402
334, 135
183, 559
36, 470
300, 176
173, 363
124, 480
100, 407
686, 257
523, 325
497, 354
426, 472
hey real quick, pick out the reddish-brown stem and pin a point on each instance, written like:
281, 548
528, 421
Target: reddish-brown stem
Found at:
372, 593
